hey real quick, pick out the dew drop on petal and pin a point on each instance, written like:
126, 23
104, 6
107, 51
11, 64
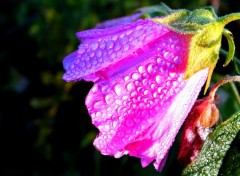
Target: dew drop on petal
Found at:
158, 79
81, 64
118, 102
98, 53
151, 68
126, 47
140, 69
129, 32
109, 98
81, 50
110, 44
118, 90
94, 45
130, 86
122, 35
98, 105
136, 76
117, 47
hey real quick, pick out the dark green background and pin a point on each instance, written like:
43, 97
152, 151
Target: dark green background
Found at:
44, 125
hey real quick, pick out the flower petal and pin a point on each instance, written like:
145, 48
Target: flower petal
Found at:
101, 48
136, 108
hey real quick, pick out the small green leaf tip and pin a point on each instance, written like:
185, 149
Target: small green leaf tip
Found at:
231, 46
207, 30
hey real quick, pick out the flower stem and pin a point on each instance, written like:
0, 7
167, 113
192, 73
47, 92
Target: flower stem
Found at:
235, 91
224, 81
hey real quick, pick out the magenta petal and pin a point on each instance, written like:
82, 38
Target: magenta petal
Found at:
139, 99
142, 100
101, 48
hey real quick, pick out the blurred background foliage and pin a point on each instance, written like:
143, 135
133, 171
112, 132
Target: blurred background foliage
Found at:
44, 125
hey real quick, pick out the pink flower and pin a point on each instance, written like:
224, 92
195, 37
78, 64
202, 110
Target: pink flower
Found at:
139, 100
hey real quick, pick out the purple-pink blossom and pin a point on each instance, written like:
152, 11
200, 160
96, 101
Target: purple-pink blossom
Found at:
139, 99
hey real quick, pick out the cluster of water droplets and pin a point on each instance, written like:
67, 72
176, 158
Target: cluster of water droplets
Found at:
129, 103
103, 47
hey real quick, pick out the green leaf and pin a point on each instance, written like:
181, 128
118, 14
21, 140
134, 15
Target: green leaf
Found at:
209, 160
231, 164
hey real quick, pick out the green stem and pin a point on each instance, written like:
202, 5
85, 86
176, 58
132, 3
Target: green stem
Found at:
229, 18
236, 66
235, 91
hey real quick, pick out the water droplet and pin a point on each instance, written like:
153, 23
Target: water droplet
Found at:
134, 42
110, 44
126, 47
151, 68
133, 94
94, 62
172, 74
175, 83
124, 40
129, 32
139, 27
136, 76
130, 86
137, 83
159, 60
94, 45
114, 37
107, 127
114, 124
145, 82
146, 92
159, 89
91, 54
117, 47
109, 98
140, 69
98, 114
153, 86
118, 102
140, 89
72, 66
98, 105
102, 45
81, 64
98, 53
166, 55
126, 78
118, 90
149, 37
155, 95
122, 35
81, 50
158, 79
